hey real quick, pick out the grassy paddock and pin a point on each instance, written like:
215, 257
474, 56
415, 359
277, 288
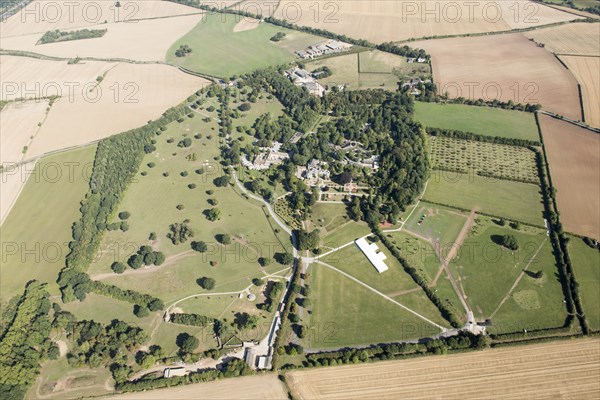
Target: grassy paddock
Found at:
481, 120
486, 271
586, 263
512, 200
219, 51
345, 313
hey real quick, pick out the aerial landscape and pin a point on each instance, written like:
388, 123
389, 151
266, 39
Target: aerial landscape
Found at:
283, 199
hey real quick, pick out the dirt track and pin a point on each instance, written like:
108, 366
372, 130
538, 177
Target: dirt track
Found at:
565, 369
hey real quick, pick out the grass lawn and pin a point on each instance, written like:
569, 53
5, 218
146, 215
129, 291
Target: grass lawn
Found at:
586, 262
262, 106
36, 232
481, 120
328, 217
441, 224
345, 313
486, 271
353, 262
346, 233
218, 51
512, 200
419, 302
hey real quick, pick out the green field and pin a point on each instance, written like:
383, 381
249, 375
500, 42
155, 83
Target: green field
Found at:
353, 262
441, 224
586, 263
511, 200
420, 254
219, 51
486, 271
481, 120
345, 233
491, 159
35, 235
345, 313
368, 70
328, 217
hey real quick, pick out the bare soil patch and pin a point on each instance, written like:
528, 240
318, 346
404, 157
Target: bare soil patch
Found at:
246, 24
505, 67
574, 157
557, 369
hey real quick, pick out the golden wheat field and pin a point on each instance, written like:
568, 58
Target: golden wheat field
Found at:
505, 67
146, 40
567, 369
40, 16
382, 21
19, 122
587, 73
575, 38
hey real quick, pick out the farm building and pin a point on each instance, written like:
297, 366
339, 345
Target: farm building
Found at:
372, 252
171, 372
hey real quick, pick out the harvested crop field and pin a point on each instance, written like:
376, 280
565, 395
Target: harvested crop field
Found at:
576, 38
381, 21
12, 181
19, 121
264, 386
550, 370
504, 67
587, 72
146, 40
129, 96
574, 157
40, 17
31, 77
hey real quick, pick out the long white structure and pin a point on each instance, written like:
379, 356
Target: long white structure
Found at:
373, 254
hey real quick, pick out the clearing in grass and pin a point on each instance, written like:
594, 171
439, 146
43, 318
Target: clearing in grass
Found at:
486, 121
508, 199
219, 51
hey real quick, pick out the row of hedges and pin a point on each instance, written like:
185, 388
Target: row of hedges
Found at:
559, 239
454, 134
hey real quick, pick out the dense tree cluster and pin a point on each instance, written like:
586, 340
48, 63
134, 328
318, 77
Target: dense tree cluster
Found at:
146, 256
480, 138
207, 283
273, 293
97, 345
308, 240
180, 232
183, 50
63, 36
279, 36
191, 319
509, 241
25, 342
131, 296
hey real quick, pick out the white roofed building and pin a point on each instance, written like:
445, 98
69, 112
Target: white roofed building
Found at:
373, 254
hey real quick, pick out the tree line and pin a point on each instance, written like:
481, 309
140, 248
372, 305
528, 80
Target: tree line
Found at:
25, 344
